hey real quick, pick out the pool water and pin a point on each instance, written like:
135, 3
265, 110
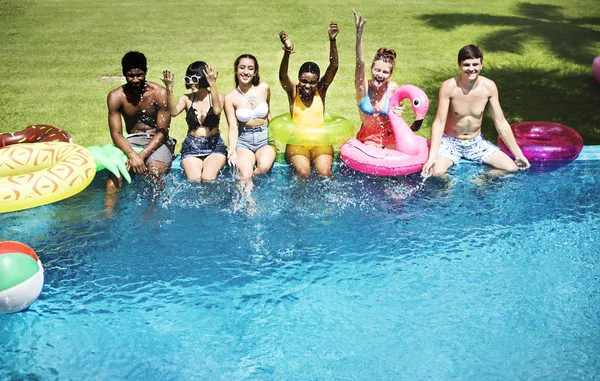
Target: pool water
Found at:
348, 278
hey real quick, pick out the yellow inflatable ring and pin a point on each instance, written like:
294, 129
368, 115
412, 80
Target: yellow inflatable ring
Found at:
34, 174
334, 132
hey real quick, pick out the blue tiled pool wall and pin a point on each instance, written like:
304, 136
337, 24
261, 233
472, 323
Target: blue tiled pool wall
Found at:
589, 153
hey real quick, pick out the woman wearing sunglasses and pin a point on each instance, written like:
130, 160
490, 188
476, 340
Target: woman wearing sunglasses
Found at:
373, 96
203, 152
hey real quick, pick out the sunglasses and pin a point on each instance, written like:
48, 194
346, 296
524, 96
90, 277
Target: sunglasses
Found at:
385, 57
192, 79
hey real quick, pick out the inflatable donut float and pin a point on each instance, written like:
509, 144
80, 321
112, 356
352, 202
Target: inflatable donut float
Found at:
36, 133
34, 174
411, 150
545, 142
332, 132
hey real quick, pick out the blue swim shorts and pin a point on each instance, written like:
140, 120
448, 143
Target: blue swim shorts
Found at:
475, 149
202, 146
253, 138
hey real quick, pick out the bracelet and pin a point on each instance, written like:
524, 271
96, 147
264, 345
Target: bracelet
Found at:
332, 40
288, 50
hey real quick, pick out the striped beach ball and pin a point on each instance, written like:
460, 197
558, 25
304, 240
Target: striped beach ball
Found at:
21, 276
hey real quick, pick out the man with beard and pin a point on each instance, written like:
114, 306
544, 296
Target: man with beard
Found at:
144, 109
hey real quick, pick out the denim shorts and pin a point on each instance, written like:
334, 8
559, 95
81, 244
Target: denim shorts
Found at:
475, 149
253, 138
202, 146
164, 152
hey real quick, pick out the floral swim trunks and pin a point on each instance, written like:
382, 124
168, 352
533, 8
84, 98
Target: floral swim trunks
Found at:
475, 149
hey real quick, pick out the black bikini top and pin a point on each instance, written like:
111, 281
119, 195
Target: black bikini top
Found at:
210, 121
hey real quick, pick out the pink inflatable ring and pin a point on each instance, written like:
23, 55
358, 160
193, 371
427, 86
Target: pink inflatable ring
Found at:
545, 141
596, 68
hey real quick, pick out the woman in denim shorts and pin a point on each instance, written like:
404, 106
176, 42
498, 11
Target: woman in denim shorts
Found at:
248, 115
203, 153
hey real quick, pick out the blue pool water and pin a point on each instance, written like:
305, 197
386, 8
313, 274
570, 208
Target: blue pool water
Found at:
349, 278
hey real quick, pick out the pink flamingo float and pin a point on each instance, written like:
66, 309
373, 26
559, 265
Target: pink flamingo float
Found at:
411, 150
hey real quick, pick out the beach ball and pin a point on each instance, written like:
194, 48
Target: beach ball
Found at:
596, 68
21, 276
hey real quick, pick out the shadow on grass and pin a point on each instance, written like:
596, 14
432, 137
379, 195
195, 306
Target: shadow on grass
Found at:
532, 94
567, 38
528, 93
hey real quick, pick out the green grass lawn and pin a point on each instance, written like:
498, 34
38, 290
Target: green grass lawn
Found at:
54, 53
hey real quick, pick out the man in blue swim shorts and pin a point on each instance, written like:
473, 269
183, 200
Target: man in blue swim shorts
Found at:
456, 130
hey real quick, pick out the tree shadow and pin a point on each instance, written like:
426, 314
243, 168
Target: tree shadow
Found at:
528, 93
569, 98
567, 38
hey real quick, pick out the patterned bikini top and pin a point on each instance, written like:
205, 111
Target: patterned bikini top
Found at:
253, 107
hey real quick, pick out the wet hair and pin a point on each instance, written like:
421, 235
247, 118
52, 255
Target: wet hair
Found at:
197, 68
133, 60
386, 55
256, 79
470, 52
309, 67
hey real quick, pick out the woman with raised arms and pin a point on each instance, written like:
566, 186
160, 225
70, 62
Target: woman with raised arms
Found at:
373, 95
307, 104
203, 152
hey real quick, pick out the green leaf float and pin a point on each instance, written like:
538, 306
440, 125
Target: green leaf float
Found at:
112, 158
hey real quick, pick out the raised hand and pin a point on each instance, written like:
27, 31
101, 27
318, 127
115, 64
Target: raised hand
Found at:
285, 40
360, 22
168, 79
333, 30
211, 75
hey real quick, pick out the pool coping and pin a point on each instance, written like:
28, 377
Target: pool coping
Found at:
588, 153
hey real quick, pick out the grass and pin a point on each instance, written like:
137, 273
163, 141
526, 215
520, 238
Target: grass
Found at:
54, 53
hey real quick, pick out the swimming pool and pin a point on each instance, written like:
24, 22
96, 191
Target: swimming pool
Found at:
350, 278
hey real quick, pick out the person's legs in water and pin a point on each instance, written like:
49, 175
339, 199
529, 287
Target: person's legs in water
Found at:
213, 164
299, 158
265, 157
192, 167
246, 161
322, 159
